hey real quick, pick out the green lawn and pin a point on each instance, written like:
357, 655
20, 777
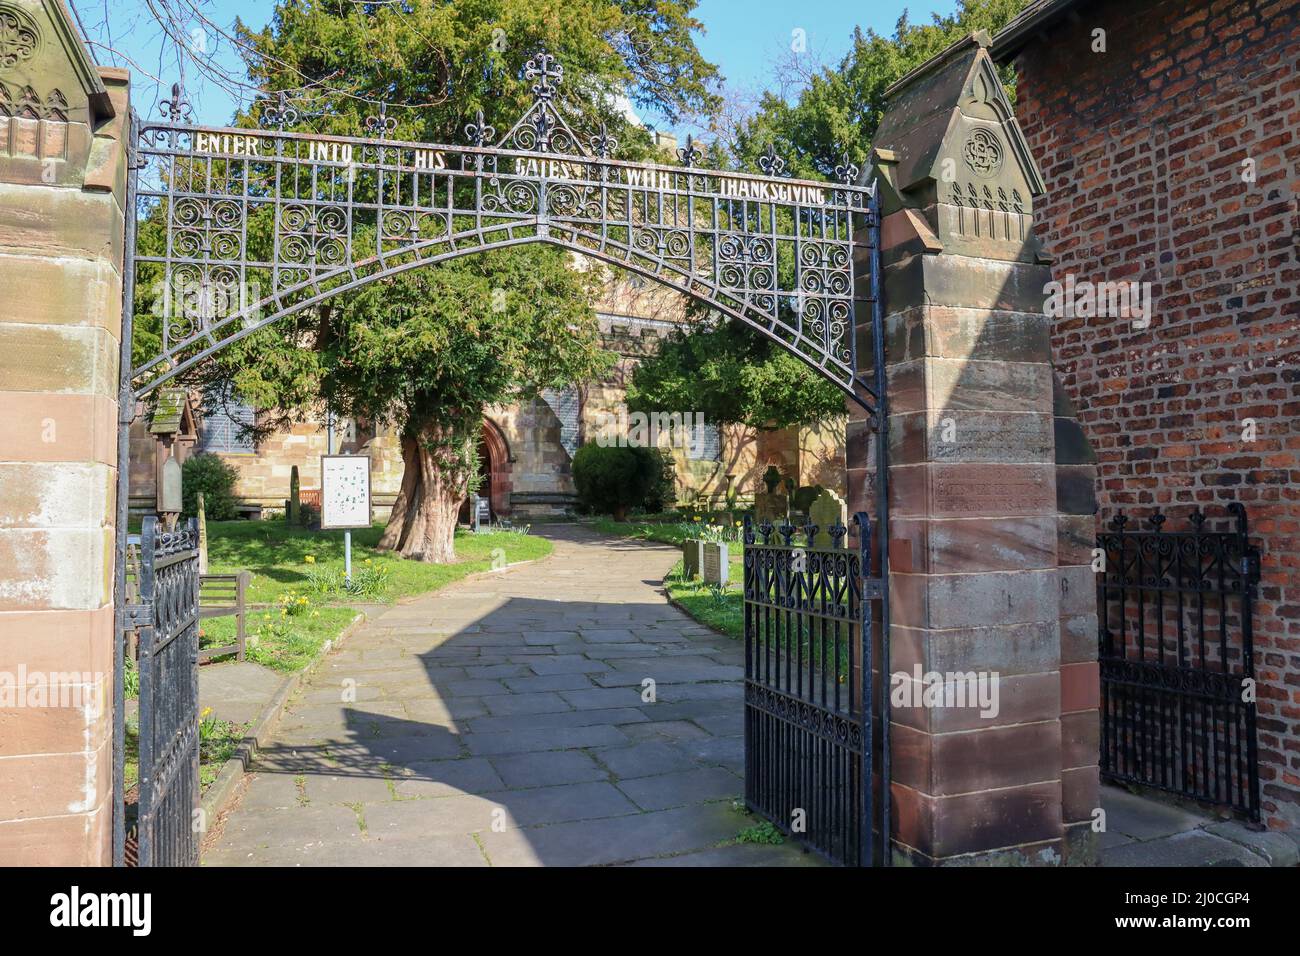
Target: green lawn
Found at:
296, 577
288, 561
722, 609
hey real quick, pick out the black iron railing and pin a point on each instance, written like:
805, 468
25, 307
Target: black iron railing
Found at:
1177, 659
809, 687
169, 695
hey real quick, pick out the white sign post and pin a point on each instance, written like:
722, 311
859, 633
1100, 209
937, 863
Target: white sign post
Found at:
345, 499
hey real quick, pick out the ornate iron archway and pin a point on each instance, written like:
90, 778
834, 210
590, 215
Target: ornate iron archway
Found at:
231, 229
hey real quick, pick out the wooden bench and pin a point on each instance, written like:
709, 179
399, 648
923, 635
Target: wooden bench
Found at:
223, 595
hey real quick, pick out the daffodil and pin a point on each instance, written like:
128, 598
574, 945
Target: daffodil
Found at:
310, 559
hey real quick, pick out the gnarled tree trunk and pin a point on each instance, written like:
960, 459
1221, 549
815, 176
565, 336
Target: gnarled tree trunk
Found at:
422, 526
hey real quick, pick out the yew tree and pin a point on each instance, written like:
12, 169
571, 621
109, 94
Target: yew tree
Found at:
429, 349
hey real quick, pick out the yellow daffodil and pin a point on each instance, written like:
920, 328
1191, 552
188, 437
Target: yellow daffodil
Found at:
310, 559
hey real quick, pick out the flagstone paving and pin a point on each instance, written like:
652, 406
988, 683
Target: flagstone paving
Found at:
506, 721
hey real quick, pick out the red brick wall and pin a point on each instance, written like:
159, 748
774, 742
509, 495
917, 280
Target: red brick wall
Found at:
1142, 149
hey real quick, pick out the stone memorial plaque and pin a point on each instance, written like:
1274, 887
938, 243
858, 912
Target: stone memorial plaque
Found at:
715, 563
691, 558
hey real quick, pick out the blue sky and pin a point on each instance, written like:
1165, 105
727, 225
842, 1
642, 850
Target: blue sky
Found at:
745, 38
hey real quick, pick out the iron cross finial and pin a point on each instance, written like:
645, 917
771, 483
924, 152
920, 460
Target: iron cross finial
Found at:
547, 71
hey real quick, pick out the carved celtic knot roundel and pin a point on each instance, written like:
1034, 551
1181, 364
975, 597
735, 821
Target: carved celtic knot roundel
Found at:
983, 153
18, 37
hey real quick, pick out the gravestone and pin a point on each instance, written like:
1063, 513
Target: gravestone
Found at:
770, 506
827, 510
692, 558
293, 511
203, 535
715, 563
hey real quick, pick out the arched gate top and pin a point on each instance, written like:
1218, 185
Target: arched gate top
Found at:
247, 226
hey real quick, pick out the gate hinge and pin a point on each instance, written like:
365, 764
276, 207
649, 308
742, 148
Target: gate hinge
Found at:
137, 615
872, 590
1250, 565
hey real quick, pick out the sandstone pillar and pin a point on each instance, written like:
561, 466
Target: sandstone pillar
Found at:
62, 180
977, 536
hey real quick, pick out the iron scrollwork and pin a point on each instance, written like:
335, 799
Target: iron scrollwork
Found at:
298, 217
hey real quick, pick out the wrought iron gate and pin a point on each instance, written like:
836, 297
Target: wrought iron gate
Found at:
809, 689
1177, 659
167, 619
247, 225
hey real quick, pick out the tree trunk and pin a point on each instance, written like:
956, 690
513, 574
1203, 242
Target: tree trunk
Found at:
391, 539
422, 526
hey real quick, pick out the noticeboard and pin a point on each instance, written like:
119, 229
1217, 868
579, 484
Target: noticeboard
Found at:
345, 491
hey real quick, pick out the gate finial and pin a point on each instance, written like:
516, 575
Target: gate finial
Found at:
178, 107
544, 68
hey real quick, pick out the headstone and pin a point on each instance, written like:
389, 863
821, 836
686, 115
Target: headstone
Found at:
203, 535
770, 507
827, 510
715, 563
294, 514
691, 558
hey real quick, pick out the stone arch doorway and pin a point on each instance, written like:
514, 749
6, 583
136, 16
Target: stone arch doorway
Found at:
495, 463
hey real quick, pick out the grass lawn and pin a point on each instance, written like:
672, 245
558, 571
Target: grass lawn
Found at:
721, 609
290, 570
297, 576
295, 562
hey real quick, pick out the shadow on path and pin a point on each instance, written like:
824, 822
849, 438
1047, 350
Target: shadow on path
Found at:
507, 720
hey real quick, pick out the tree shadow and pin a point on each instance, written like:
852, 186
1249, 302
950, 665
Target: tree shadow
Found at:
526, 736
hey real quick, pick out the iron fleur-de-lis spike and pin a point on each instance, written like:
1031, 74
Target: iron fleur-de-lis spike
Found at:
278, 112
547, 71
846, 172
770, 163
602, 144
178, 107
478, 131
381, 124
690, 154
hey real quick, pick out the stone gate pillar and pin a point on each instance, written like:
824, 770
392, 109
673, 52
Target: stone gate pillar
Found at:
62, 179
989, 537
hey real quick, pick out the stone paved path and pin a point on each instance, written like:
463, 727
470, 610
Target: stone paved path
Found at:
501, 722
